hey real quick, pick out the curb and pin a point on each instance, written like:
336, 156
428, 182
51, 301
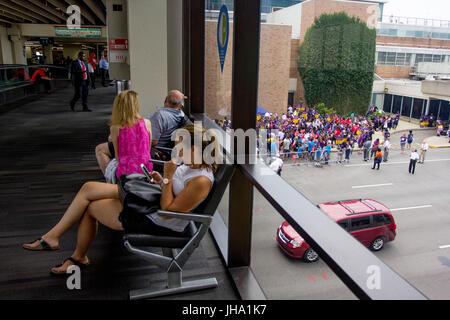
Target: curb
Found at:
438, 146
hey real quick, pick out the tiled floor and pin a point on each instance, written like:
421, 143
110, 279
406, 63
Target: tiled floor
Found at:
46, 154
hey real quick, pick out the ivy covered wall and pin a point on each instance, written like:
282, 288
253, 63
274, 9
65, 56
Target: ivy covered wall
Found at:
337, 62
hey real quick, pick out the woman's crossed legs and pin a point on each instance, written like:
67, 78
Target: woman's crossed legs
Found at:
95, 202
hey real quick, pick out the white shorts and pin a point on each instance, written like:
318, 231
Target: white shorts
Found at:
110, 171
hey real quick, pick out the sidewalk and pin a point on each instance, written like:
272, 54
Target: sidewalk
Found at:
404, 127
438, 142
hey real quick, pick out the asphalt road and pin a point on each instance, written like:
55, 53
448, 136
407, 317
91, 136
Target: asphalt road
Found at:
420, 253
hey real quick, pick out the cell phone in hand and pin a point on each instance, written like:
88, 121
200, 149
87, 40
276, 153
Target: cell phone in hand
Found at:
147, 173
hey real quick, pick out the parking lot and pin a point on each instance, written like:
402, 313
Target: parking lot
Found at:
420, 205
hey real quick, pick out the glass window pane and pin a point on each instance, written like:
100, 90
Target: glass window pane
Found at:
381, 58
390, 59
400, 59
218, 71
360, 223
397, 104
444, 113
392, 32
417, 108
408, 59
343, 224
387, 103
437, 58
406, 109
379, 220
419, 58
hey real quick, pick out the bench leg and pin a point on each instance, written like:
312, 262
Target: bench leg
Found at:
187, 286
175, 284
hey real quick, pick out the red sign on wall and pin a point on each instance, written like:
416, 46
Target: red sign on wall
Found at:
118, 44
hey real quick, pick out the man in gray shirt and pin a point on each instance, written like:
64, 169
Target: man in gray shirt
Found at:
164, 122
366, 147
167, 119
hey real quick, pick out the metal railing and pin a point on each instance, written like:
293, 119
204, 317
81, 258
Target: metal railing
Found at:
16, 75
416, 21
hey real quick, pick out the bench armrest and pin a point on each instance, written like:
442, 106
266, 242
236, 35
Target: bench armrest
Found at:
186, 216
163, 148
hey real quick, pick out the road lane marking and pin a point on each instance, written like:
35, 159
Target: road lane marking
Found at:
389, 162
372, 185
443, 247
411, 208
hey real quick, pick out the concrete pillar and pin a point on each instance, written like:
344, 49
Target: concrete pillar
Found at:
117, 28
48, 53
175, 44
147, 43
18, 50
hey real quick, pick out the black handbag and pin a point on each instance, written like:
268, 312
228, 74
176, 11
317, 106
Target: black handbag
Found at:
137, 195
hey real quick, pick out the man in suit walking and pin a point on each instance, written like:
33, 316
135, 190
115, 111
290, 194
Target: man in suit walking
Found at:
80, 81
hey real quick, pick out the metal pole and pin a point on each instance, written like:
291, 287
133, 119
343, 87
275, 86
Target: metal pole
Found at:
412, 107
439, 110
392, 103
422, 112
401, 106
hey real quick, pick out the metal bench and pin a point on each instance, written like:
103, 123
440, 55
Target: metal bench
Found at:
178, 250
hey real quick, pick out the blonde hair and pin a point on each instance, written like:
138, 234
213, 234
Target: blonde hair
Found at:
125, 111
196, 130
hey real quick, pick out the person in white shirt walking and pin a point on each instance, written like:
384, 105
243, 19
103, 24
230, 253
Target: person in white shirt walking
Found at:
423, 151
412, 161
386, 147
276, 165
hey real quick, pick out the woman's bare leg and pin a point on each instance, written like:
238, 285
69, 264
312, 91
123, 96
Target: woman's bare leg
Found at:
103, 156
90, 191
104, 211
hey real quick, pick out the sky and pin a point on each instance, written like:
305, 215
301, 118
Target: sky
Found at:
429, 9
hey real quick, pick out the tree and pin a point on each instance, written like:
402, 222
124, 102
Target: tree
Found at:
337, 62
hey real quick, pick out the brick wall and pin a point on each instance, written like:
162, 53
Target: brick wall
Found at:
367, 12
393, 72
397, 72
274, 68
412, 42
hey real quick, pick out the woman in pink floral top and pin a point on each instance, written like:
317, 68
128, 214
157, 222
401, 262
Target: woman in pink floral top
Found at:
130, 134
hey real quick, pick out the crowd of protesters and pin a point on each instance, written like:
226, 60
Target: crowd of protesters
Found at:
303, 133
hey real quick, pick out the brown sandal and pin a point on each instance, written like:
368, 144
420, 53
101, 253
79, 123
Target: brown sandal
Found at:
75, 262
43, 246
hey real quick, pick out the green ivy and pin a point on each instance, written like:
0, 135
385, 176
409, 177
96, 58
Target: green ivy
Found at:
337, 63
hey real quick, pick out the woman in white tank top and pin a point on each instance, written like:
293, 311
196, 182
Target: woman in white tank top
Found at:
182, 178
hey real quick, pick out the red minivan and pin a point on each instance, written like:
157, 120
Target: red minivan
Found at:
367, 220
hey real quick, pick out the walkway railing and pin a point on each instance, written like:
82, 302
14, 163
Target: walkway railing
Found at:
16, 75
